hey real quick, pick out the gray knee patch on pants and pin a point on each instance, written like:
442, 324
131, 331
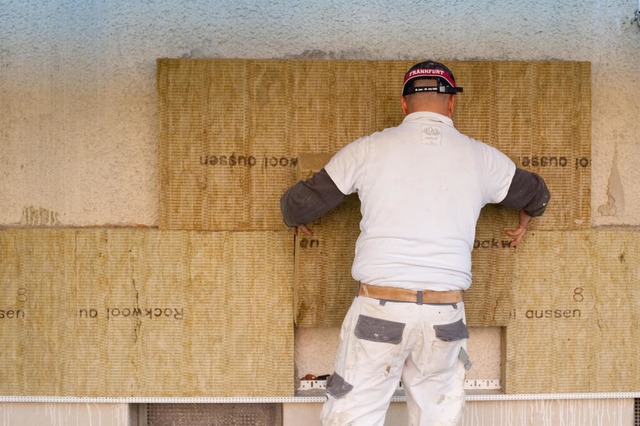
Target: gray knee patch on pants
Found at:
337, 387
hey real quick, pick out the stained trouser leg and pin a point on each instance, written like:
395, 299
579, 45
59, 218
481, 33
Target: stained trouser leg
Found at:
373, 346
434, 372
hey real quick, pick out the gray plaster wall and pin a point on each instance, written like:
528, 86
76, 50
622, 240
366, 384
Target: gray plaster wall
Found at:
78, 119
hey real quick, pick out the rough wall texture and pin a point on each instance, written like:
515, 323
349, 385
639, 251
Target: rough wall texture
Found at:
78, 123
78, 120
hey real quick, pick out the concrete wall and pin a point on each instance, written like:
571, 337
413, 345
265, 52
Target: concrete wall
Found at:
78, 123
78, 120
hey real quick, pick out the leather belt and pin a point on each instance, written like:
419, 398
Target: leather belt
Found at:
404, 295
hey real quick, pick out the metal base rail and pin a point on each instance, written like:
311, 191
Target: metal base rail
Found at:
303, 399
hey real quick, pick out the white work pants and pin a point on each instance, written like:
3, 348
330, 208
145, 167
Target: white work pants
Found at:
381, 343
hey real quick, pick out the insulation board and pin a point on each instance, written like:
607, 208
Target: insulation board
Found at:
575, 321
147, 313
231, 130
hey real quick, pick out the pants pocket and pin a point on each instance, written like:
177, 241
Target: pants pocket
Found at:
446, 347
379, 330
451, 332
376, 346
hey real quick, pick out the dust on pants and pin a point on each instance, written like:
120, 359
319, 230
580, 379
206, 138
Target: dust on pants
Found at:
384, 342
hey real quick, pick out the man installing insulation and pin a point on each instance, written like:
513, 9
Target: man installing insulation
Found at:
421, 186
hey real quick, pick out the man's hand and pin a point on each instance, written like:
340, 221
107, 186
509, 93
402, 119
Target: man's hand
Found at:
519, 232
302, 228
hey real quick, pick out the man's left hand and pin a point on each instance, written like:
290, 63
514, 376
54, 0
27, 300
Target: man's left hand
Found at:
518, 233
302, 228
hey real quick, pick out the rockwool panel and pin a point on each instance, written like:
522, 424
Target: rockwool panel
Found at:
145, 313
576, 311
324, 287
231, 130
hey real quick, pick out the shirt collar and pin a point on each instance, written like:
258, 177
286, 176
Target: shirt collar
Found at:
428, 116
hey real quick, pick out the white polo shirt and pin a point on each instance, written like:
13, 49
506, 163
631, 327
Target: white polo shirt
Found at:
421, 186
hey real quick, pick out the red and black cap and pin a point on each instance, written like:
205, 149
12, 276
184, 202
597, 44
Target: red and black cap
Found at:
430, 70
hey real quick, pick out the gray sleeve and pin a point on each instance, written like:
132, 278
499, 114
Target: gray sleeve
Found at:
529, 192
309, 199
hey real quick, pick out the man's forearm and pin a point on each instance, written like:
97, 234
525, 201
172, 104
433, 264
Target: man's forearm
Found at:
529, 192
309, 199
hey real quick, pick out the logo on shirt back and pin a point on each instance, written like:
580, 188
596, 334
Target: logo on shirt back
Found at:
431, 135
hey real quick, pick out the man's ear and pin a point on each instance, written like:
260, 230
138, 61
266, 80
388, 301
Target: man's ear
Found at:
452, 101
405, 108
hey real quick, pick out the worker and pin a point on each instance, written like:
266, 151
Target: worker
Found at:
421, 187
